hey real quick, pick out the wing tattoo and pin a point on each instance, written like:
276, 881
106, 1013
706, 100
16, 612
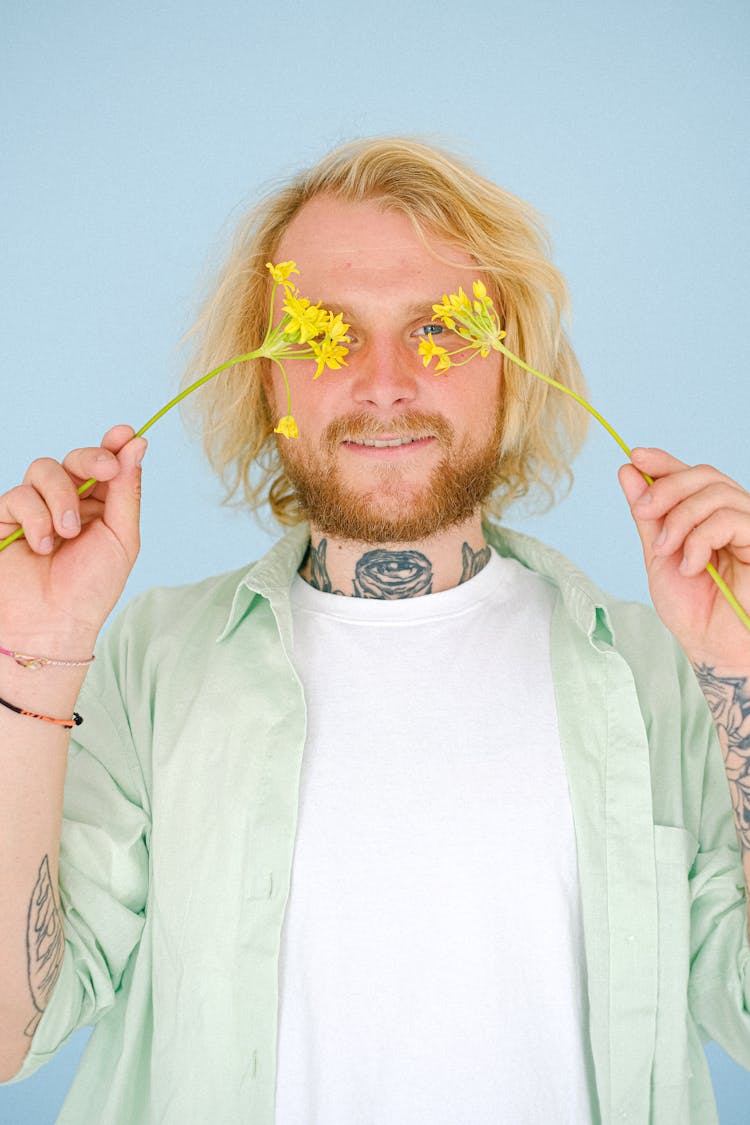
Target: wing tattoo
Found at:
45, 943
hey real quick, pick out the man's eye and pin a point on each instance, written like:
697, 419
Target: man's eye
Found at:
430, 329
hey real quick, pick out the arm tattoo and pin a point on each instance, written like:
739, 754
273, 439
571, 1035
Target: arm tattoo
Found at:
392, 575
729, 701
473, 562
45, 943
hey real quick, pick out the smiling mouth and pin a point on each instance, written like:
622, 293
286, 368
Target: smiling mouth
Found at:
386, 443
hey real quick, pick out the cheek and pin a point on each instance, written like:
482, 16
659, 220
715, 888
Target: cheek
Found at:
316, 399
476, 398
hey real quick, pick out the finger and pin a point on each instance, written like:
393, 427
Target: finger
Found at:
122, 505
669, 491
655, 462
58, 493
117, 437
23, 507
635, 488
97, 463
696, 510
632, 483
723, 529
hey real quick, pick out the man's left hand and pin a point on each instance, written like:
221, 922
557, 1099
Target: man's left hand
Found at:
689, 517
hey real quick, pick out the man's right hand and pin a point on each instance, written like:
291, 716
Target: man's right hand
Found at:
59, 582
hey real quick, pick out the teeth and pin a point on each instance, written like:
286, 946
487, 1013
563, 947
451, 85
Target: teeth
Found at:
382, 444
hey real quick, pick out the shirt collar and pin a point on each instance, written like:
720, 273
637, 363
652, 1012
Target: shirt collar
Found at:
272, 576
586, 604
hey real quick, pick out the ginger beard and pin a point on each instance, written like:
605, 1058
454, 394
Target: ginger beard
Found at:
391, 509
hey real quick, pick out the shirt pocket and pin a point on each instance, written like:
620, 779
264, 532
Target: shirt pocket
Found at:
675, 849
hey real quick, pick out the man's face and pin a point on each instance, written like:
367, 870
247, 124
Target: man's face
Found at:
372, 266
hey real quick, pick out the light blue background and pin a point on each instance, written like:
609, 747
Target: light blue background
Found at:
135, 133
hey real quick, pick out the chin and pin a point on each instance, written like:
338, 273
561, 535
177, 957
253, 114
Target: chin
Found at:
405, 515
393, 506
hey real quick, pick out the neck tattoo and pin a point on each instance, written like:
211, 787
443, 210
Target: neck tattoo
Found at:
390, 574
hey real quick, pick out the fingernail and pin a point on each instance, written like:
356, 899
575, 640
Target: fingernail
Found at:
645, 500
46, 544
662, 538
104, 457
70, 520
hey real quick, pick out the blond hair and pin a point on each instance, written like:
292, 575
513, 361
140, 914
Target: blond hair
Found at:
542, 429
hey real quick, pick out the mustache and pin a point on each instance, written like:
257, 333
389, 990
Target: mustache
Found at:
363, 427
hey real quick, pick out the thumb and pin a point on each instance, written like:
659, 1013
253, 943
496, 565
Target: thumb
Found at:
634, 487
122, 506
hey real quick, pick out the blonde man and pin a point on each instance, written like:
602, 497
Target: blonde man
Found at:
408, 821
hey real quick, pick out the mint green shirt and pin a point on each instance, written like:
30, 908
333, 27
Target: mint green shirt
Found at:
178, 839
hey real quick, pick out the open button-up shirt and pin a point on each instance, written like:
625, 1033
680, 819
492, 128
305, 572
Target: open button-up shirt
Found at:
178, 840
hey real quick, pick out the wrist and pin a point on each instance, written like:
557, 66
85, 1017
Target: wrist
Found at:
42, 671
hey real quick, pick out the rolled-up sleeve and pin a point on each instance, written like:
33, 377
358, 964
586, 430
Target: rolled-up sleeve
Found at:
104, 863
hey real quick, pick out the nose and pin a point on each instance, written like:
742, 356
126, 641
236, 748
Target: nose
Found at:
383, 375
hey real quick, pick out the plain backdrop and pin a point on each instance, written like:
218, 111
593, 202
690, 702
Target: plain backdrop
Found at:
135, 134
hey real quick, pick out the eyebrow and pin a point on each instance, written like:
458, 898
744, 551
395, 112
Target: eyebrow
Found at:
410, 312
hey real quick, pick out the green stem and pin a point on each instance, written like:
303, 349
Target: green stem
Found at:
278, 363
741, 613
193, 387
711, 569
568, 391
272, 308
17, 534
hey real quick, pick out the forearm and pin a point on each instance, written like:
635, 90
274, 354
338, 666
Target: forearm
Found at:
727, 693
34, 755
57, 585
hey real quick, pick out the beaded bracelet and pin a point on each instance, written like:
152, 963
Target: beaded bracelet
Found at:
35, 662
67, 723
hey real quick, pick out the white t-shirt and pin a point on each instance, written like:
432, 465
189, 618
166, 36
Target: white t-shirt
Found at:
432, 964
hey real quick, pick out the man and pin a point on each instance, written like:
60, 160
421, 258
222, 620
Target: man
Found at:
408, 822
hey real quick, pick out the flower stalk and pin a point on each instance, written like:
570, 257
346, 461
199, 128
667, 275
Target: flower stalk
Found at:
308, 331
305, 331
476, 322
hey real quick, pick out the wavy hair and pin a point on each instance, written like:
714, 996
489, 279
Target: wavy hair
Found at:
542, 429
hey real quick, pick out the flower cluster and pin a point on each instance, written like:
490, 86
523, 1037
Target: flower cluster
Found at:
475, 321
306, 331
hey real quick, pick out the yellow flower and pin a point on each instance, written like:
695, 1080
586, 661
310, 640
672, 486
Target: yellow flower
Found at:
328, 354
336, 329
282, 271
428, 349
454, 303
304, 321
330, 351
475, 321
287, 426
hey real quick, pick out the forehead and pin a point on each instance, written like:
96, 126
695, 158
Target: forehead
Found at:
336, 243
